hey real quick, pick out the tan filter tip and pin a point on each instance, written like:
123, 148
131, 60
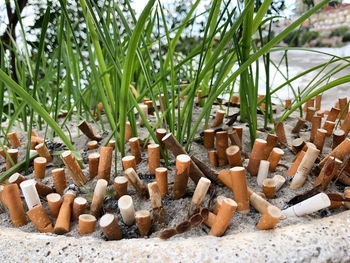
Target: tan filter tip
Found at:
86, 224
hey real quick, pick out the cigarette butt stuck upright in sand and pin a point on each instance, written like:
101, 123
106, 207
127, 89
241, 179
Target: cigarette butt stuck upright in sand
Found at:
12, 199
135, 149
143, 221
220, 114
213, 158
274, 158
14, 139
162, 180
94, 160
63, 219
199, 195
221, 146
127, 211
183, 162
59, 180
54, 202
256, 156
87, 224
79, 206
99, 195
263, 172
153, 157
208, 140
43, 152
233, 154
73, 167
110, 227
30, 193
269, 187
13, 153
129, 161
239, 187
105, 163
120, 186
39, 167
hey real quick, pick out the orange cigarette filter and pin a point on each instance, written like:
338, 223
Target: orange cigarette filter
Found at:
40, 219
343, 106
268, 187
213, 158
256, 156
128, 131
233, 154
39, 167
111, 144
299, 125
43, 189
11, 198
43, 152
64, 215
149, 104
209, 135
346, 124
183, 162
16, 178
318, 100
297, 145
287, 103
274, 158
235, 99
209, 221
325, 180
135, 149
2, 151
160, 133
234, 138
73, 167
120, 186
320, 139
239, 188
79, 206
281, 134
223, 217
14, 139
87, 224
105, 163
94, 160
153, 157
239, 131
221, 146
220, 114
310, 111
110, 227
270, 218
129, 162
293, 169
218, 204
59, 180
315, 124
338, 138
162, 180
333, 114
143, 221
14, 156
34, 141
329, 126
271, 141
225, 177
92, 145
54, 201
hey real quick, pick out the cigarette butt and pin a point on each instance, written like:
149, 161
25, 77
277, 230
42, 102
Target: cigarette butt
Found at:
310, 111
234, 138
43, 189
162, 180
129, 162
94, 159
346, 124
239, 187
308, 206
128, 131
223, 218
183, 162
143, 221
209, 221
347, 196
220, 114
16, 178
43, 152
149, 104
263, 172
256, 156
338, 138
40, 219
343, 106
153, 157
324, 179
59, 180
199, 195
120, 186
111, 144
157, 205
268, 188
135, 180
320, 113
213, 158
270, 218
233, 154
73, 167
2, 151
54, 201
99, 195
333, 114
271, 141
208, 140
87, 224
30, 193
329, 126
79, 206
315, 125
105, 163
110, 227
218, 203
88, 130
297, 145
262, 104
318, 99
293, 169
287, 103
221, 146
239, 131
64, 215
304, 168
279, 180
160, 133
34, 141
135, 149
225, 177
281, 134
12, 199
39, 167
235, 99
14, 139
144, 110
308, 145
309, 103
340, 151
127, 211
92, 145
257, 201
14, 156
274, 158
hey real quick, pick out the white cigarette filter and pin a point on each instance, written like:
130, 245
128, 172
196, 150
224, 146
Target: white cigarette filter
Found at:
126, 207
308, 206
30, 193
304, 168
263, 172
280, 180
99, 195
144, 110
201, 191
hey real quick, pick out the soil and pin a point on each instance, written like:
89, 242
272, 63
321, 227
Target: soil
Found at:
176, 210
